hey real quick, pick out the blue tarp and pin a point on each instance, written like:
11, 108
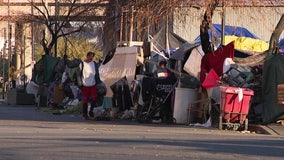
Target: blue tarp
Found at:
230, 30
281, 44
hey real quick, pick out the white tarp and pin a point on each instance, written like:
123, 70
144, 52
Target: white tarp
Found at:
192, 65
122, 64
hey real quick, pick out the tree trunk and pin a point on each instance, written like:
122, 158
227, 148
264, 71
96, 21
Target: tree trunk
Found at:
205, 25
273, 44
110, 33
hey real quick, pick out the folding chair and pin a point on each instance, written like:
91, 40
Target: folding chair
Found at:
200, 106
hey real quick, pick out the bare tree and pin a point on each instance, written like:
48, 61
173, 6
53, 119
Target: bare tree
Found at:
273, 44
152, 12
61, 14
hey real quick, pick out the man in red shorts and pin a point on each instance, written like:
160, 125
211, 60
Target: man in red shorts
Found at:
90, 78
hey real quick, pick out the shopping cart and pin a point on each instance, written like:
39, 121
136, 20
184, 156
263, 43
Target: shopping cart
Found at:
234, 107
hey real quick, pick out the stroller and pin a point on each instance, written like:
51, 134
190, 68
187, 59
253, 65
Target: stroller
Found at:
156, 95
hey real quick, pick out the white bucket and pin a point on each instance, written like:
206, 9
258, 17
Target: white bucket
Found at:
183, 96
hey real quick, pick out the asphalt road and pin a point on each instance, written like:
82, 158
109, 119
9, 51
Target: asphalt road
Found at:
26, 134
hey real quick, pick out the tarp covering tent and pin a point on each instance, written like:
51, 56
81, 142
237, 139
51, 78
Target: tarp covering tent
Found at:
44, 69
272, 76
281, 44
159, 40
247, 44
249, 50
159, 43
123, 64
255, 47
192, 64
179, 53
229, 30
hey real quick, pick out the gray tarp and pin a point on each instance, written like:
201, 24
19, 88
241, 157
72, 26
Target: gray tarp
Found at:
159, 40
179, 53
122, 64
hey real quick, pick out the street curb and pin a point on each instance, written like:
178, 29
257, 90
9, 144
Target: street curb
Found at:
262, 129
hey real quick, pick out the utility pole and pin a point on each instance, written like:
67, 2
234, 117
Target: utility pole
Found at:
24, 66
32, 28
131, 24
3, 69
121, 25
9, 46
56, 26
9, 37
223, 24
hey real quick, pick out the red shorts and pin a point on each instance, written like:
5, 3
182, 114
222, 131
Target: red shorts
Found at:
89, 93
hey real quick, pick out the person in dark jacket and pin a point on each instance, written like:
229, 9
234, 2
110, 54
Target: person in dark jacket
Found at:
164, 81
162, 71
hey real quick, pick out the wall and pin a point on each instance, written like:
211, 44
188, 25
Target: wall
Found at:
259, 20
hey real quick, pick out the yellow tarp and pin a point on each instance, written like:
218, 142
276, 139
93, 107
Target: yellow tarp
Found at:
247, 44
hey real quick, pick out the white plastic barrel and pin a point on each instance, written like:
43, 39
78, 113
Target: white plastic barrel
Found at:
183, 96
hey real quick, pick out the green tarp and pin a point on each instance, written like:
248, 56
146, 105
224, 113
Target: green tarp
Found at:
273, 75
44, 69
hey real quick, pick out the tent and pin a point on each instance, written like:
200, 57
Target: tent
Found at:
44, 69
122, 64
272, 76
247, 43
159, 45
159, 40
229, 30
281, 44
179, 53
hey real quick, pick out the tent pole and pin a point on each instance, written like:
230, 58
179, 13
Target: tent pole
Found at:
131, 24
223, 25
167, 35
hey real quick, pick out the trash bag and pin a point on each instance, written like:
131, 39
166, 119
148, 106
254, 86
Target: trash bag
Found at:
101, 89
101, 92
68, 91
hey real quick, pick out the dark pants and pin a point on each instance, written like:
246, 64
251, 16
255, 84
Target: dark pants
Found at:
85, 109
166, 111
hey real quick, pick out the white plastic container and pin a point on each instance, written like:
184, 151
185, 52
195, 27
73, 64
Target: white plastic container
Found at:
183, 96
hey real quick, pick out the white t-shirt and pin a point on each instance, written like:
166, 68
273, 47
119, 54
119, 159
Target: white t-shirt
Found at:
89, 72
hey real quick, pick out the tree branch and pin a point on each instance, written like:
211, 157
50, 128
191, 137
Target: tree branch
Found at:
273, 44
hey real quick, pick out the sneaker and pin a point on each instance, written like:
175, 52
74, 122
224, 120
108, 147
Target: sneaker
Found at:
157, 121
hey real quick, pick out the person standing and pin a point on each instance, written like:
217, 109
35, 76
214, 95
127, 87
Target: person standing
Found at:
164, 81
162, 71
89, 79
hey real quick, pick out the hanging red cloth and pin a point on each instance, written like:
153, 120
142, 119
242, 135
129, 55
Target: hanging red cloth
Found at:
215, 60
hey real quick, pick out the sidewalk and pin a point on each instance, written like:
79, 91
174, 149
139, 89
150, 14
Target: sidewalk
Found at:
271, 129
29, 112
277, 128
